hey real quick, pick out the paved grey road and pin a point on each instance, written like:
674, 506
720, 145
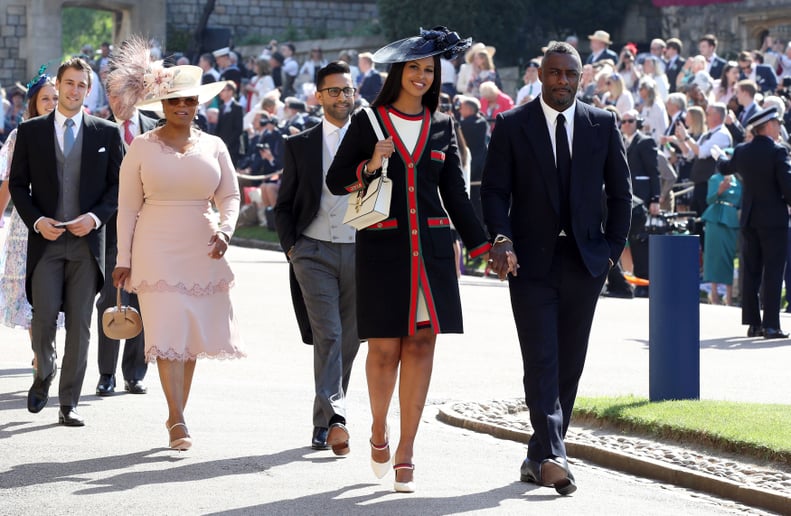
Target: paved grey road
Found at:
251, 422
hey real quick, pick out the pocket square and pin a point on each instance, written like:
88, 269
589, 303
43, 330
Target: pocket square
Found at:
102, 149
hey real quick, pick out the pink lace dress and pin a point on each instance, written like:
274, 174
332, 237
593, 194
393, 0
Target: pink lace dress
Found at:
165, 221
15, 311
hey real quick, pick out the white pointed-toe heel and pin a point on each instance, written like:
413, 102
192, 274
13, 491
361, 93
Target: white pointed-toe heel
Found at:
380, 469
404, 487
181, 443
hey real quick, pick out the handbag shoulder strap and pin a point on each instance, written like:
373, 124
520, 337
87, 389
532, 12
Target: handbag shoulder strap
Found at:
374, 123
379, 136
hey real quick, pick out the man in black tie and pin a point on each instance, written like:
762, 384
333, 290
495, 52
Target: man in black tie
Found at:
544, 158
64, 183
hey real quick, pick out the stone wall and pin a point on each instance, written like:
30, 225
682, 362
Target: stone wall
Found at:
737, 25
13, 32
257, 22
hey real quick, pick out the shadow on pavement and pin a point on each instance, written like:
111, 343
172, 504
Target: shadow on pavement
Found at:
732, 343
188, 472
341, 502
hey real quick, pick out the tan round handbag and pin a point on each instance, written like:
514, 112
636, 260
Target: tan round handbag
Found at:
121, 322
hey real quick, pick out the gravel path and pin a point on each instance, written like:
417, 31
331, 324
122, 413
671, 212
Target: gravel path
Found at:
512, 414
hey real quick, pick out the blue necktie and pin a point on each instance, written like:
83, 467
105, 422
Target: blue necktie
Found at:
68, 136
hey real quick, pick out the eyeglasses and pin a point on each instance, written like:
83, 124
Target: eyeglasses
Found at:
188, 101
627, 121
334, 92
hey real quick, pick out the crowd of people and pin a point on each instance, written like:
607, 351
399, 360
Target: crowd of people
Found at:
138, 164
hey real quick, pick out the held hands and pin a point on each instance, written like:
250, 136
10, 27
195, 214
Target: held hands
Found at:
384, 149
83, 225
503, 261
120, 276
46, 227
218, 246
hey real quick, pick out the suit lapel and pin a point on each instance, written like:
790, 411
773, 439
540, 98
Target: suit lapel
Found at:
584, 130
315, 160
535, 126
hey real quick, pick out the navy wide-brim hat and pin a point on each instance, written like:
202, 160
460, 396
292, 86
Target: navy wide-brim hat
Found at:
438, 40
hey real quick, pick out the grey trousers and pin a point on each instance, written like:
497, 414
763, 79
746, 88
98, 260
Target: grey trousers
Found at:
325, 272
133, 364
66, 276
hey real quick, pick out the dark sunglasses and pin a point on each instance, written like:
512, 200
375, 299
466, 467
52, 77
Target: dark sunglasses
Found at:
188, 101
627, 121
334, 92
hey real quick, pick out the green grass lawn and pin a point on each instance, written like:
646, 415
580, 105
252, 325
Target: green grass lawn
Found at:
255, 233
759, 430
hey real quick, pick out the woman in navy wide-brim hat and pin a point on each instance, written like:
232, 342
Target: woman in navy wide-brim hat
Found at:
407, 291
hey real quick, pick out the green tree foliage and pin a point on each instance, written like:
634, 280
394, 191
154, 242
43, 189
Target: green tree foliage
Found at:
83, 26
518, 28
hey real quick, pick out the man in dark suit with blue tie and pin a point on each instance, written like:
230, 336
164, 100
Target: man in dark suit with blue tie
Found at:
320, 249
64, 183
544, 158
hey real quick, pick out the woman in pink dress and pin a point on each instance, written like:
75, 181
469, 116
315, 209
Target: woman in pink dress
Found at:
171, 243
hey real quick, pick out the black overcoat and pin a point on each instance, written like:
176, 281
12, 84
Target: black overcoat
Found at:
413, 248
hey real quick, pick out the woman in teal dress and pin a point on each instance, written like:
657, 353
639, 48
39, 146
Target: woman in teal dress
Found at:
722, 230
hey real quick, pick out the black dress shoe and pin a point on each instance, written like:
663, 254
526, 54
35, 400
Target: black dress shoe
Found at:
555, 472
106, 385
530, 472
623, 294
755, 330
38, 395
774, 333
319, 441
68, 416
135, 387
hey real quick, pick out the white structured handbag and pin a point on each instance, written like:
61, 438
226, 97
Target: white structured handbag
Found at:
372, 204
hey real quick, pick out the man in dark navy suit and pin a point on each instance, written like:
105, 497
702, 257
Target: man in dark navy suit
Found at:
707, 46
751, 66
600, 48
764, 167
673, 61
544, 158
745, 96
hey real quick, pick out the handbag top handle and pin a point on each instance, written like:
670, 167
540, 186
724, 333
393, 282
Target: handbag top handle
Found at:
379, 135
118, 298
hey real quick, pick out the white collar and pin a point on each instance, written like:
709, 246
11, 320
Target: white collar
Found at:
328, 127
60, 119
551, 115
